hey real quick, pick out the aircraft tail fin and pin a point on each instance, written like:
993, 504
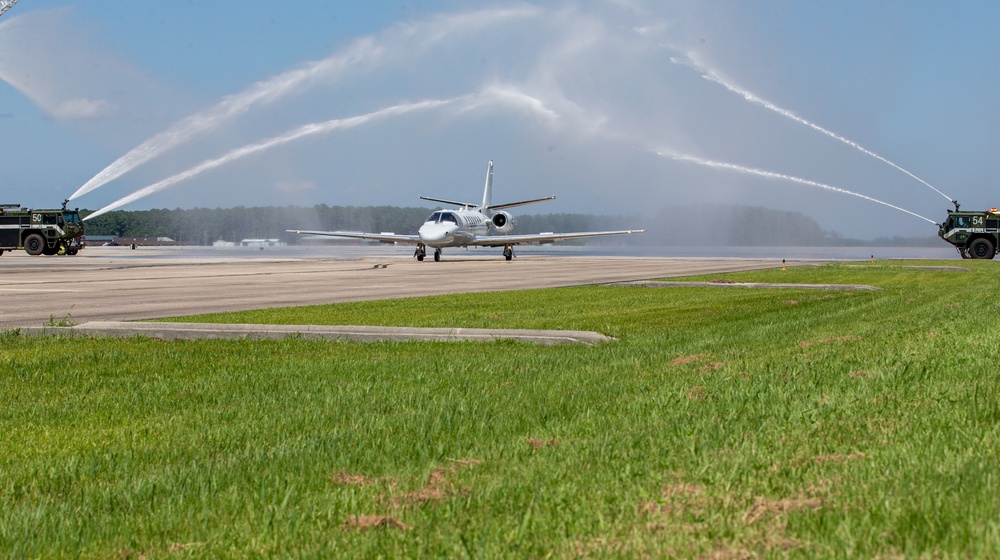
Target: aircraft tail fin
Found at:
488, 191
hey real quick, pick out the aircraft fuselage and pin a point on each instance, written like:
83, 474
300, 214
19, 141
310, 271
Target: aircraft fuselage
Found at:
453, 228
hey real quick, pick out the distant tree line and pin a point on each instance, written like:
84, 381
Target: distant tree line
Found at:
203, 226
715, 225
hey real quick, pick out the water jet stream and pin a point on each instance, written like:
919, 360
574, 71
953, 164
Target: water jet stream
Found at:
713, 76
781, 176
366, 53
249, 149
227, 109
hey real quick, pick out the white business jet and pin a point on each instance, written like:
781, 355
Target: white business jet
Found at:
471, 224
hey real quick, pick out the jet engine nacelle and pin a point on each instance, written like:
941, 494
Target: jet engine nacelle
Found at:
503, 222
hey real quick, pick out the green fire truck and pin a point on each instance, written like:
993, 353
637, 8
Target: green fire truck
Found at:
41, 232
976, 235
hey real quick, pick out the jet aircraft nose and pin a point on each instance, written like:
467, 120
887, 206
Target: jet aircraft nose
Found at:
436, 233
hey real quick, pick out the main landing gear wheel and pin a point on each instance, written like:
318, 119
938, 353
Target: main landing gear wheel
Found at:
420, 253
508, 252
437, 255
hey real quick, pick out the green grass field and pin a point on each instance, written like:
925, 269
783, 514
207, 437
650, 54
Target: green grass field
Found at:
724, 423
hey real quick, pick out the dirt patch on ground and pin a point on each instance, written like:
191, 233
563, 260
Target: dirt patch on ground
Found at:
686, 507
361, 522
540, 443
684, 360
439, 485
820, 459
762, 507
350, 479
697, 393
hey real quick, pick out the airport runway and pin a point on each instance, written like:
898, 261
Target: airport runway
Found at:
115, 283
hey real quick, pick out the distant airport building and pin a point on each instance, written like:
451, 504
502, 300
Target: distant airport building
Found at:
262, 243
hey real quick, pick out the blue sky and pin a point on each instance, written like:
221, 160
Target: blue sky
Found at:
602, 103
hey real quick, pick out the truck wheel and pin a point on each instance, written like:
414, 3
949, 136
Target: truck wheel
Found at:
34, 244
981, 249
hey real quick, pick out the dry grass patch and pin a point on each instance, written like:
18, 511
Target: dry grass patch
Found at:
835, 458
345, 478
362, 522
540, 443
684, 507
763, 507
677, 499
438, 485
684, 360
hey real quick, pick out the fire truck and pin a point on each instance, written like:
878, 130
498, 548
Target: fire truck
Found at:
41, 232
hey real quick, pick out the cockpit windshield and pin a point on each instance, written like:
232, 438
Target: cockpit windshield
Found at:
443, 217
71, 217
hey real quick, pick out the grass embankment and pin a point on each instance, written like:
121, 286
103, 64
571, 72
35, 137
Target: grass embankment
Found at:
724, 423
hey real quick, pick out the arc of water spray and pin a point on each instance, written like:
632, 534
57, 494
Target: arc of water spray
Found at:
228, 108
713, 76
366, 52
303, 131
781, 176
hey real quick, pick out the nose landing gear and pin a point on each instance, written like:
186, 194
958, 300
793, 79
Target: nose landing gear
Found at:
421, 252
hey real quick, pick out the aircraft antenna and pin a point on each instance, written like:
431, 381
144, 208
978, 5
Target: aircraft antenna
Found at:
6, 5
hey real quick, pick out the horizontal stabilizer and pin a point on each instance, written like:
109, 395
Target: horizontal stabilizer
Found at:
463, 204
522, 203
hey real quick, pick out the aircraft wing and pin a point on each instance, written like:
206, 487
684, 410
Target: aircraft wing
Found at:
501, 240
383, 237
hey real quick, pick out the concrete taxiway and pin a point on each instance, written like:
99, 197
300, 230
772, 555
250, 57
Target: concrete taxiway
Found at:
118, 284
